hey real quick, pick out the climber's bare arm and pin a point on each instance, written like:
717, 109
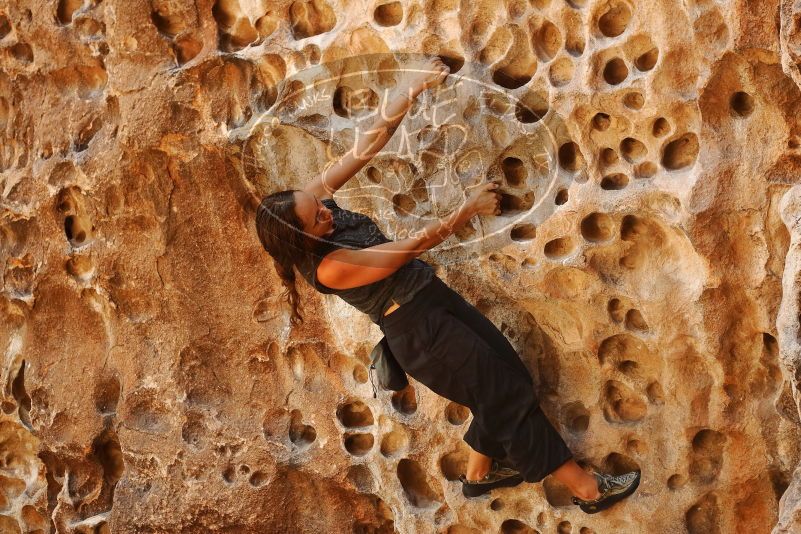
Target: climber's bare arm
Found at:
347, 268
369, 143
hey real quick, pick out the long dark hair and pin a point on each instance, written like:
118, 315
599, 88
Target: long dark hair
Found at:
281, 234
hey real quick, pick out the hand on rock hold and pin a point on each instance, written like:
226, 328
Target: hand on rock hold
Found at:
485, 199
427, 74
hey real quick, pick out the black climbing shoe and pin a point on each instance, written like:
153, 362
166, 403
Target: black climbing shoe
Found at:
499, 476
612, 488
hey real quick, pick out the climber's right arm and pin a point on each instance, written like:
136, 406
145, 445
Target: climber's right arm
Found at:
367, 145
370, 142
347, 268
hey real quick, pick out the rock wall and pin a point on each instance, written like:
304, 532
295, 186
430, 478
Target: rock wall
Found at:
646, 264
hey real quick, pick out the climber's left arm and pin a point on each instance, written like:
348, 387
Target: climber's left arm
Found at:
369, 143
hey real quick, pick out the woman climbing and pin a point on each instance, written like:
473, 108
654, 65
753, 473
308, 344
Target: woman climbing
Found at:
436, 336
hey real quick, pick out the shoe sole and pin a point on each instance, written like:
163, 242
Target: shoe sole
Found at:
474, 490
595, 508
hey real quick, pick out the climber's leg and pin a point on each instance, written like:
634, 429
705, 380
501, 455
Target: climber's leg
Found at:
478, 465
486, 329
434, 346
581, 483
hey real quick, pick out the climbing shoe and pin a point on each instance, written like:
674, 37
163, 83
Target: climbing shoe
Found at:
499, 476
612, 488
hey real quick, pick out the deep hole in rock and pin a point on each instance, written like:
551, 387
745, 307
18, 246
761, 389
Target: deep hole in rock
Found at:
704, 516
514, 170
415, 485
632, 227
619, 464
681, 152
531, 108
21, 396
166, 23
601, 121
358, 444
613, 182
454, 61
576, 417
5, 26
107, 394
628, 367
616, 310
106, 449
299, 433
515, 526
597, 227
564, 527
388, 14
547, 41
635, 321
258, 479
523, 232
742, 103
360, 374
656, 394
393, 443
453, 464
419, 191
403, 204
340, 101
661, 127
66, 8
621, 404
309, 18
570, 157
556, 493
647, 61
615, 20
608, 156
373, 174
634, 100
507, 77
187, 48
559, 248
676, 481
633, 149
615, 71
561, 197
708, 442
456, 414
512, 204
646, 169
405, 400
355, 414
780, 481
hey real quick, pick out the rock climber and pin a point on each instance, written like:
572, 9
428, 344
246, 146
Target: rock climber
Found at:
437, 337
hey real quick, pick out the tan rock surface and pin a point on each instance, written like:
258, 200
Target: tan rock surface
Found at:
646, 264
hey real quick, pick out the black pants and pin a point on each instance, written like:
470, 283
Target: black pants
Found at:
445, 343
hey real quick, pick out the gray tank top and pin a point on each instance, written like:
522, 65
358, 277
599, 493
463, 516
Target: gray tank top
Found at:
356, 231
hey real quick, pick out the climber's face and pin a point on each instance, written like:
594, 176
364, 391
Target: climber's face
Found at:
317, 219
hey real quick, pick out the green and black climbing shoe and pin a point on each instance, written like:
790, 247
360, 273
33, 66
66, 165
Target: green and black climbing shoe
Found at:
499, 476
612, 488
